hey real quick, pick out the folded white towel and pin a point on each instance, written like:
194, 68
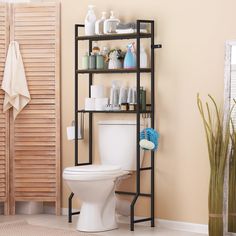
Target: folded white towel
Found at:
14, 81
129, 31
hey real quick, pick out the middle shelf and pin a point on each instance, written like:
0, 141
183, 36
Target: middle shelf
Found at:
118, 111
110, 71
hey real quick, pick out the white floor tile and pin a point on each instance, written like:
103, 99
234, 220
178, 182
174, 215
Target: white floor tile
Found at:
61, 222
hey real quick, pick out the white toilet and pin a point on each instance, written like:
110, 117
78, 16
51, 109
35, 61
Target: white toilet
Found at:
95, 184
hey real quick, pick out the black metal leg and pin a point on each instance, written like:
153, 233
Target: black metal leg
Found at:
132, 212
70, 207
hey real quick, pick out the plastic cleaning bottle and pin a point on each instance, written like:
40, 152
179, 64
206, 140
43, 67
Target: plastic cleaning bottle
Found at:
143, 98
130, 58
143, 57
99, 25
90, 21
114, 94
123, 96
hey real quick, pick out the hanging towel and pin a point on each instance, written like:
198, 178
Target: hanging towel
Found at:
14, 81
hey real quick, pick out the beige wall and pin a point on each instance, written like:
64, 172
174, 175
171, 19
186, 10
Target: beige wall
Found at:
192, 60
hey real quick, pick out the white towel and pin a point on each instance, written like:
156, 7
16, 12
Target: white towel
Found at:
14, 81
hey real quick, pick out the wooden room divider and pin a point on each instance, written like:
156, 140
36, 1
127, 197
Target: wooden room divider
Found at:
35, 134
4, 117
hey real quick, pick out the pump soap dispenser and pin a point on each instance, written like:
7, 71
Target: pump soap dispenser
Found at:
90, 20
99, 25
111, 24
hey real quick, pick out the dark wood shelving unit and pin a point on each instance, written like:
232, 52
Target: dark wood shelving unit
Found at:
138, 112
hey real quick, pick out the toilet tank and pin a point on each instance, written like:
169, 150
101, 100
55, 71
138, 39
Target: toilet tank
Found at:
117, 143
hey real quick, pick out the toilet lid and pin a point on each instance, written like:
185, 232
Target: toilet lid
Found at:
93, 169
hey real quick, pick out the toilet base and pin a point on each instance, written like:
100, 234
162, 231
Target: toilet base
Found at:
97, 194
93, 218
99, 216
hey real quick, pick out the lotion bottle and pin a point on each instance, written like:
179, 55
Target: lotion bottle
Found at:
111, 24
99, 25
90, 20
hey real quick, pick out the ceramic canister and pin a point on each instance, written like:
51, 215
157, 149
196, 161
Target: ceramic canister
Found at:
92, 61
99, 62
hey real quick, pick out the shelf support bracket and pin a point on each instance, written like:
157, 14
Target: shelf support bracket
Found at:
156, 46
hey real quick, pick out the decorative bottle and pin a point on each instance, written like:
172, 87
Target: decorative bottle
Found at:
130, 58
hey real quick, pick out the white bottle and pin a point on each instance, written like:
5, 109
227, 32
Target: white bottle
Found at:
143, 58
90, 20
111, 24
99, 25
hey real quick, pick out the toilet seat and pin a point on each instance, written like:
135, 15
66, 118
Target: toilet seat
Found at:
93, 172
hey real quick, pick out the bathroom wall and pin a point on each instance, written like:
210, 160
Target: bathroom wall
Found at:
191, 61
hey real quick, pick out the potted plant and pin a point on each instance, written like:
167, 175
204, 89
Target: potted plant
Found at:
217, 131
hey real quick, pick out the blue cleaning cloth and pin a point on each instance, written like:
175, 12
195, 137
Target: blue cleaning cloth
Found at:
151, 135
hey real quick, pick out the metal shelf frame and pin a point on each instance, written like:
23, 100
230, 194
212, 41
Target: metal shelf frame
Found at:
138, 112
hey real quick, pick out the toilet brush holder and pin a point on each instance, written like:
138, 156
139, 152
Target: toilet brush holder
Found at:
71, 129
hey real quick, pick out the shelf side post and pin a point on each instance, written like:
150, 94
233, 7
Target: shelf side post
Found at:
132, 221
90, 114
152, 125
76, 95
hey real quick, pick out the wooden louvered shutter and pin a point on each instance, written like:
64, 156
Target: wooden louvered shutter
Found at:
36, 130
4, 117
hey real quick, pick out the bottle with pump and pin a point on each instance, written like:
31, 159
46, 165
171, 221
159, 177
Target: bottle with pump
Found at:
99, 25
111, 24
90, 21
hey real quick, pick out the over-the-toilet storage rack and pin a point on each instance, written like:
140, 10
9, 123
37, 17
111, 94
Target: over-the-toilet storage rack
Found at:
138, 36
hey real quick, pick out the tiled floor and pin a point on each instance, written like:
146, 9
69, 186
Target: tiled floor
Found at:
61, 222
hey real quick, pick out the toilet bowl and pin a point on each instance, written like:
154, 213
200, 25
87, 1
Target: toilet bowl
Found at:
94, 185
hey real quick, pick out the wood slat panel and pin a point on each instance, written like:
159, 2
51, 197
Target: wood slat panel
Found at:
36, 130
33, 184
36, 199
4, 117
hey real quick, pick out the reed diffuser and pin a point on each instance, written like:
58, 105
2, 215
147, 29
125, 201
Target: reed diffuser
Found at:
218, 137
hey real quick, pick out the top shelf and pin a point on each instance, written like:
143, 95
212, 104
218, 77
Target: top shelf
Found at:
114, 36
